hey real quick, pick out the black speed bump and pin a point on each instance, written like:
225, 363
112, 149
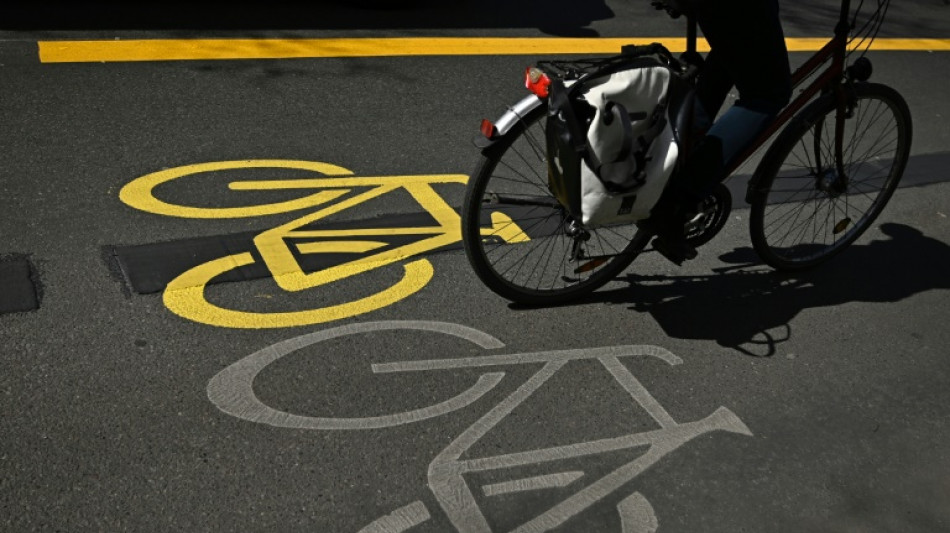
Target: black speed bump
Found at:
18, 292
148, 268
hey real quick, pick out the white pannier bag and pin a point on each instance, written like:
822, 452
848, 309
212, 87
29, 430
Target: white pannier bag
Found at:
610, 139
642, 94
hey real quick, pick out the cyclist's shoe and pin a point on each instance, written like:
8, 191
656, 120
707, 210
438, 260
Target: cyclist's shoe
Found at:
671, 222
677, 250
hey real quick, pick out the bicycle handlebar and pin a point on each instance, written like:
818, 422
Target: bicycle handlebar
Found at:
675, 9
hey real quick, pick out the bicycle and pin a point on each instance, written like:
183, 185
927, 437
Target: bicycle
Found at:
841, 149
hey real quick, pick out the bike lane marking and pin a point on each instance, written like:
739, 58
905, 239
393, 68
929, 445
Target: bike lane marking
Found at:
232, 389
283, 249
637, 515
400, 520
97, 51
185, 296
558, 480
138, 193
232, 392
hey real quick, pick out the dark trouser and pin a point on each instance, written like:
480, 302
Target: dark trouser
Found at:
753, 58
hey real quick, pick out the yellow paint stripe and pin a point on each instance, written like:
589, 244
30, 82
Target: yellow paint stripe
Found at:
210, 49
339, 247
185, 297
347, 182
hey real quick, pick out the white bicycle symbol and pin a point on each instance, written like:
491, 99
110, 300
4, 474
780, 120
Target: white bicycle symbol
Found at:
231, 391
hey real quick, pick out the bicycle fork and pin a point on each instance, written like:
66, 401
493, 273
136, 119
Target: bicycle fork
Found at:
831, 178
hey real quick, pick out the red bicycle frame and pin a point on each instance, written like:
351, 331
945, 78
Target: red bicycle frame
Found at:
834, 50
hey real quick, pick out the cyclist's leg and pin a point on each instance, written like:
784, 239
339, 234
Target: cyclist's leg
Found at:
712, 88
754, 59
677, 205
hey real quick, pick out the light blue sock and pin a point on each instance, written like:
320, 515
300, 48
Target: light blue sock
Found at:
736, 128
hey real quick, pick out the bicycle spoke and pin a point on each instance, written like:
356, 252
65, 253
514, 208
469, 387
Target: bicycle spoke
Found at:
549, 265
526, 180
529, 137
815, 205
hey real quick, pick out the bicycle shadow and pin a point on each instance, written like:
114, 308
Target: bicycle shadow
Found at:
749, 308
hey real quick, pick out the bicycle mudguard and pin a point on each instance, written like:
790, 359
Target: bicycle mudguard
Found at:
503, 125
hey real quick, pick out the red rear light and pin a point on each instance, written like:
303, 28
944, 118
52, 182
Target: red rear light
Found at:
536, 81
488, 129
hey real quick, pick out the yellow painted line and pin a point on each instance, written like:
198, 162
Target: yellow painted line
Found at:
212, 49
185, 297
139, 193
339, 247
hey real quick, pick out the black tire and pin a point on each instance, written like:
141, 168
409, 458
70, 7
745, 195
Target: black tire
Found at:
802, 212
524, 252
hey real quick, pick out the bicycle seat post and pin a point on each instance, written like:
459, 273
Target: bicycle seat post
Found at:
691, 56
691, 35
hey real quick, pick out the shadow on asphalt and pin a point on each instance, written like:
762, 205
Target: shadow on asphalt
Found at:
555, 17
749, 308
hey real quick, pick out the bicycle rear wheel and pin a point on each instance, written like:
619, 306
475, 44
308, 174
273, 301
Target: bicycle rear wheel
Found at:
520, 241
805, 209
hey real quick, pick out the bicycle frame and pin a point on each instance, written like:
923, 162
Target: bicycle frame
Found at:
834, 50
824, 164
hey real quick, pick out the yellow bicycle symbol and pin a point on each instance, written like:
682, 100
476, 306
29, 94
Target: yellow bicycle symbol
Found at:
336, 190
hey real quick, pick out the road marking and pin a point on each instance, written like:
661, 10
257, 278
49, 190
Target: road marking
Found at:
148, 268
283, 249
606, 352
548, 481
185, 296
232, 391
637, 515
217, 49
402, 519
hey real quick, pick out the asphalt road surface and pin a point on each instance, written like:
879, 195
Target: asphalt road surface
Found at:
171, 361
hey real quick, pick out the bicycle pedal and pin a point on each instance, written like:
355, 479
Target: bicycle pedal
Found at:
677, 252
695, 222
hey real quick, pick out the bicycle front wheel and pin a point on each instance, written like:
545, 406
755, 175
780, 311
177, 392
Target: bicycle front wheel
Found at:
806, 207
520, 241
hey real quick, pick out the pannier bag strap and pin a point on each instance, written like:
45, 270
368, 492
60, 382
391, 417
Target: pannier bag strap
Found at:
615, 111
559, 104
628, 170
616, 174
566, 148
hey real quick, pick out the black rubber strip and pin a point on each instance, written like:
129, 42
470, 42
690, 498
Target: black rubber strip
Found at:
17, 290
148, 268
